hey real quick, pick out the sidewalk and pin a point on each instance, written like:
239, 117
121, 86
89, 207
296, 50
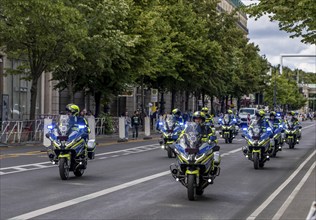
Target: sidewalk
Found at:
100, 139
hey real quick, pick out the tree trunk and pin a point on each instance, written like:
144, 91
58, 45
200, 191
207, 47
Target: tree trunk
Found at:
212, 105
33, 98
238, 103
173, 99
203, 99
186, 106
222, 105
97, 99
162, 103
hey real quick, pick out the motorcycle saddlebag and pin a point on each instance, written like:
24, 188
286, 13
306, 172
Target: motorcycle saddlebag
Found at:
91, 148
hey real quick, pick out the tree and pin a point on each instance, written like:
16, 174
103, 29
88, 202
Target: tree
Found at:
296, 17
42, 32
102, 71
287, 90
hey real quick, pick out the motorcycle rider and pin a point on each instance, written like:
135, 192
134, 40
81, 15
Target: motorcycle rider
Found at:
263, 124
206, 131
292, 117
208, 117
233, 121
73, 110
74, 120
275, 124
209, 121
177, 116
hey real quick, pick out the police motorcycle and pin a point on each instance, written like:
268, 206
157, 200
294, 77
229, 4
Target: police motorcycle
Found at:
228, 128
292, 133
258, 144
197, 162
170, 133
69, 149
278, 140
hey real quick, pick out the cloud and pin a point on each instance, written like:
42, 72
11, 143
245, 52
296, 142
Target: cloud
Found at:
272, 42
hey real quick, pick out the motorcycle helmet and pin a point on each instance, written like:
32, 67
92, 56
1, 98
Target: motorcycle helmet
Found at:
260, 113
205, 109
176, 112
230, 111
74, 109
198, 114
272, 114
292, 113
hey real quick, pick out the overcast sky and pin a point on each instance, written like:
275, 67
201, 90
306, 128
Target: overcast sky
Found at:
273, 42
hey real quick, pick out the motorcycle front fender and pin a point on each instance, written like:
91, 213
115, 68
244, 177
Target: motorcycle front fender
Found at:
194, 172
64, 156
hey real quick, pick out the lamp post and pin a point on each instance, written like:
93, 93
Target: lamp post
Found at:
1, 76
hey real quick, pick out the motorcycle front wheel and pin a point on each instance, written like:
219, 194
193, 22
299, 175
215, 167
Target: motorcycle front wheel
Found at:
170, 152
191, 187
63, 168
255, 158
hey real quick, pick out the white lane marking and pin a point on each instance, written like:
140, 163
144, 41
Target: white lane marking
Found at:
288, 201
75, 201
135, 148
278, 190
26, 165
43, 165
231, 152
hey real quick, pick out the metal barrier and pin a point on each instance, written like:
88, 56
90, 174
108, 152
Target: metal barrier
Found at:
32, 131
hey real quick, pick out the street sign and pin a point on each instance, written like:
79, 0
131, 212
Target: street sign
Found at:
154, 95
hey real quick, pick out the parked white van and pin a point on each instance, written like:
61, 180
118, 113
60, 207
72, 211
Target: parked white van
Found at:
243, 114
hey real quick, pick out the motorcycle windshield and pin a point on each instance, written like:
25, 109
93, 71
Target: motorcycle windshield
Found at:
290, 124
191, 137
168, 124
256, 130
63, 124
64, 131
226, 120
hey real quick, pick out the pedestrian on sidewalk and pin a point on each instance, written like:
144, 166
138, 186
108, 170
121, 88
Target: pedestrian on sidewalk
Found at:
135, 120
127, 124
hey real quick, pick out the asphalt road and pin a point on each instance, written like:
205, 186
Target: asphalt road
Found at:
132, 181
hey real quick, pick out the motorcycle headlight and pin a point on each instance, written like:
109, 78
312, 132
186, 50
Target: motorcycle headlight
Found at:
50, 127
81, 126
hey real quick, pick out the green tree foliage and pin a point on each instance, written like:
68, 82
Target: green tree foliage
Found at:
288, 95
43, 33
103, 69
296, 17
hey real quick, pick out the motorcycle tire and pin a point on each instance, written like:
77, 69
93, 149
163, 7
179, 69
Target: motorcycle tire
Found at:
169, 152
63, 168
191, 187
274, 152
79, 172
226, 140
256, 160
230, 140
291, 145
261, 164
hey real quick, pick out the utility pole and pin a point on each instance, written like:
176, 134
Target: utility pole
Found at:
275, 89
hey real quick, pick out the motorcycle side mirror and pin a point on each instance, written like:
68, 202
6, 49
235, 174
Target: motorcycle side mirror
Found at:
282, 131
47, 135
300, 127
243, 135
271, 136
